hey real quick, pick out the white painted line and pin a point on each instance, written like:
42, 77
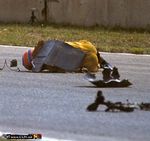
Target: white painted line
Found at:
8, 46
125, 54
1, 134
43, 138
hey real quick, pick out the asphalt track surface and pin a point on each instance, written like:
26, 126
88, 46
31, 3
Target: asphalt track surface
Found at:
55, 104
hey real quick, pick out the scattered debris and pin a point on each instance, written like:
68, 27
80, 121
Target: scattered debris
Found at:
116, 106
111, 78
98, 100
13, 63
103, 63
144, 106
112, 83
107, 74
115, 73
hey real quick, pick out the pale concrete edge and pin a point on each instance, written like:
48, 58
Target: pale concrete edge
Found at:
8, 46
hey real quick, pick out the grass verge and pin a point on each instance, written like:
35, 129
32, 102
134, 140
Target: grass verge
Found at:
107, 40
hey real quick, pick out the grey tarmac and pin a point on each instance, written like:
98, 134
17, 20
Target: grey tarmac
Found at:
54, 104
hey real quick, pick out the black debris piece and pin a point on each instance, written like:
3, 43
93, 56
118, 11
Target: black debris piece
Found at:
145, 106
115, 73
13, 63
111, 78
112, 83
116, 106
98, 100
106, 74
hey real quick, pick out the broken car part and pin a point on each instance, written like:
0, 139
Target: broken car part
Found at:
116, 106
110, 79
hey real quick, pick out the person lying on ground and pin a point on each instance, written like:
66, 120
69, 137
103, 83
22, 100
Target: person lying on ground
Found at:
59, 56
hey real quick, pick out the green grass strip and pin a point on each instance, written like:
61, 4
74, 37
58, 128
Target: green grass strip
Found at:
106, 39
